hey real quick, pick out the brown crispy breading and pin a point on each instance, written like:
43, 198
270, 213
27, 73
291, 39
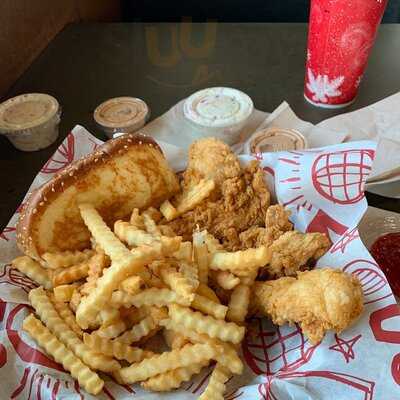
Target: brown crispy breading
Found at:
293, 251
318, 300
242, 203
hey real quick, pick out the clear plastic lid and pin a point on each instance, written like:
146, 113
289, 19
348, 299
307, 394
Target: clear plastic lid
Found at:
27, 111
218, 107
122, 112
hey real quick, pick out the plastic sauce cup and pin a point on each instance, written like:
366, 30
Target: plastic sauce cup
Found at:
121, 114
275, 139
30, 121
219, 111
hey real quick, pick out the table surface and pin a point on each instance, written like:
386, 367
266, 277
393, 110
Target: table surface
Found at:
163, 63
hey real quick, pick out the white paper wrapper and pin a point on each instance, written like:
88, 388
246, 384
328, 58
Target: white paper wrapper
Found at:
323, 188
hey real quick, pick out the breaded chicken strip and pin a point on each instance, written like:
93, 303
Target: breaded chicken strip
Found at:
294, 250
276, 224
318, 300
239, 201
210, 158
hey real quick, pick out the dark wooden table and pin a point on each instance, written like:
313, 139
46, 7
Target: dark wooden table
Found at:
163, 63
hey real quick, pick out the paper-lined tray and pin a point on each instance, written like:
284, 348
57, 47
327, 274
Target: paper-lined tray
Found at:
324, 190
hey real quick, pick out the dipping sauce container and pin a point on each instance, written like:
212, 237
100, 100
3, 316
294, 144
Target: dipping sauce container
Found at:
30, 121
220, 112
275, 139
121, 114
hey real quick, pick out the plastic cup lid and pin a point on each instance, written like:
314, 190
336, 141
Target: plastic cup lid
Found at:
276, 139
121, 112
218, 107
27, 111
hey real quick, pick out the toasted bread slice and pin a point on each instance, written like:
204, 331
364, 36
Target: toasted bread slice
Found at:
122, 174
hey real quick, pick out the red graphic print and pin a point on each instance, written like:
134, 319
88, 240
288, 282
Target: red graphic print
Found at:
340, 176
7, 230
342, 243
345, 347
268, 349
62, 157
323, 223
373, 282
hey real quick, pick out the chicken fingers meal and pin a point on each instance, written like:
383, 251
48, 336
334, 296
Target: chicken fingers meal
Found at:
123, 251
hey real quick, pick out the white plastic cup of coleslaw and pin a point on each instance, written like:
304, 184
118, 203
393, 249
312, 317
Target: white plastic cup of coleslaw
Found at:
219, 111
30, 121
121, 115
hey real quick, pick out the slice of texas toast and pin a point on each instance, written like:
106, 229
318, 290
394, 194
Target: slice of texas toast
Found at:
122, 174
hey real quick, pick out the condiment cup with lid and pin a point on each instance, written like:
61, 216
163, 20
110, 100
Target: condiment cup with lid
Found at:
30, 121
121, 114
219, 111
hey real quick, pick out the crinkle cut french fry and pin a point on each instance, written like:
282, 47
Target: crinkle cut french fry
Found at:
48, 314
195, 195
120, 298
86, 378
216, 385
228, 357
167, 361
201, 256
238, 304
173, 379
240, 262
151, 297
90, 306
66, 258
32, 270
215, 328
184, 252
67, 315
138, 331
63, 276
75, 300
173, 339
178, 283
109, 315
64, 293
111, 331
190, 272
136, 219
209, 307
168, 210
213, 243
102, 234
113, 348
151, 226
226, 280
204, 290
136, 237
132, 284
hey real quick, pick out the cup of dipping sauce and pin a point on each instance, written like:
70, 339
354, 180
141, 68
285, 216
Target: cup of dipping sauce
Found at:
30, 121
221, 112
275, 139
121, 114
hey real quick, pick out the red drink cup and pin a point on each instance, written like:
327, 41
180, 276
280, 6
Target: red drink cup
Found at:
340, 37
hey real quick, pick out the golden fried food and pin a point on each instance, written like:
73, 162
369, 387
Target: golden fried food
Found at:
318, 300
210, 158
238, 203
294, 251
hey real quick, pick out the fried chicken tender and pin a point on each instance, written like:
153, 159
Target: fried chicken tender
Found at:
210, 158
276, 224
318, 300
240, 199
293, 251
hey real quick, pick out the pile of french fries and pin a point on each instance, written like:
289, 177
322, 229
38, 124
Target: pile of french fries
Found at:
97, 309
